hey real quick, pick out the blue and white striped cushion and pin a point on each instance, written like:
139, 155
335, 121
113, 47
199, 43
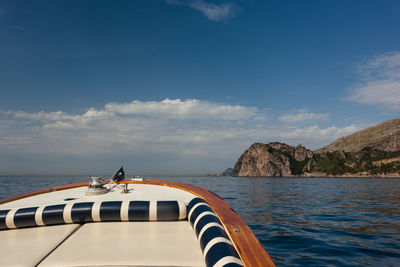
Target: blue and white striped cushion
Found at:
217, 247
215, 243
83, 212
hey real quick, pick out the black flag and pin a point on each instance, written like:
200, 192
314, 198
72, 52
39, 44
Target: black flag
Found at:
119, 175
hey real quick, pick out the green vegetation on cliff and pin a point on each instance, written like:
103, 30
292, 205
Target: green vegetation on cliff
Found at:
368, 160
297, 167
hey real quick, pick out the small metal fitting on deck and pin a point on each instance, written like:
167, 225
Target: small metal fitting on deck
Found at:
95, 187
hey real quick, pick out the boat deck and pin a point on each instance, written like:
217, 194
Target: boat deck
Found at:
155, 223
103, 244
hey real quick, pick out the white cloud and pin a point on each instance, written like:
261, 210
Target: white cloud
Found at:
380, 82
188, 109
136, 123
303, 116
313, 137
45, 116
177, 135
320, 136
215, 12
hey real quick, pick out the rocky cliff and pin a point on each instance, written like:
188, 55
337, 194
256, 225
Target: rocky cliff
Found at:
374, 151
273, 160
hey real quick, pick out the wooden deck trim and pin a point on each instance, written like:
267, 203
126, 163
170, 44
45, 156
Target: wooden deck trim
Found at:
249, 247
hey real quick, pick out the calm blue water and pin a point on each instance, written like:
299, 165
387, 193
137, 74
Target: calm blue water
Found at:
299, 221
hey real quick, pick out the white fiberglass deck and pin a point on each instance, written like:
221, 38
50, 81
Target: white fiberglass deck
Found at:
129, 244
103, 244
27, 247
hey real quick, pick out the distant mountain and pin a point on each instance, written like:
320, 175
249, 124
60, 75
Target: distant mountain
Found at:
384, 137
227, 172
374, 151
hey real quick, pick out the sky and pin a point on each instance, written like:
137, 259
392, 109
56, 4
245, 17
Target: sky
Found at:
184, 87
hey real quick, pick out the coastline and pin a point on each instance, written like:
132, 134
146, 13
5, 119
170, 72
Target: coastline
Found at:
321, 175
351, 175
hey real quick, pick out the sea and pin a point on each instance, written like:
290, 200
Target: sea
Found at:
299, 221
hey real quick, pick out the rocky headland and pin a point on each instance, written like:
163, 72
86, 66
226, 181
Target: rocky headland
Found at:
273, 159
374, 151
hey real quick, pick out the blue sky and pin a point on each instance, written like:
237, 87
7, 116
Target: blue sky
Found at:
184, 87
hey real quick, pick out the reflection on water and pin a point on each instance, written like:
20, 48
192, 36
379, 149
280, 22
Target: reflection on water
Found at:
300, 221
